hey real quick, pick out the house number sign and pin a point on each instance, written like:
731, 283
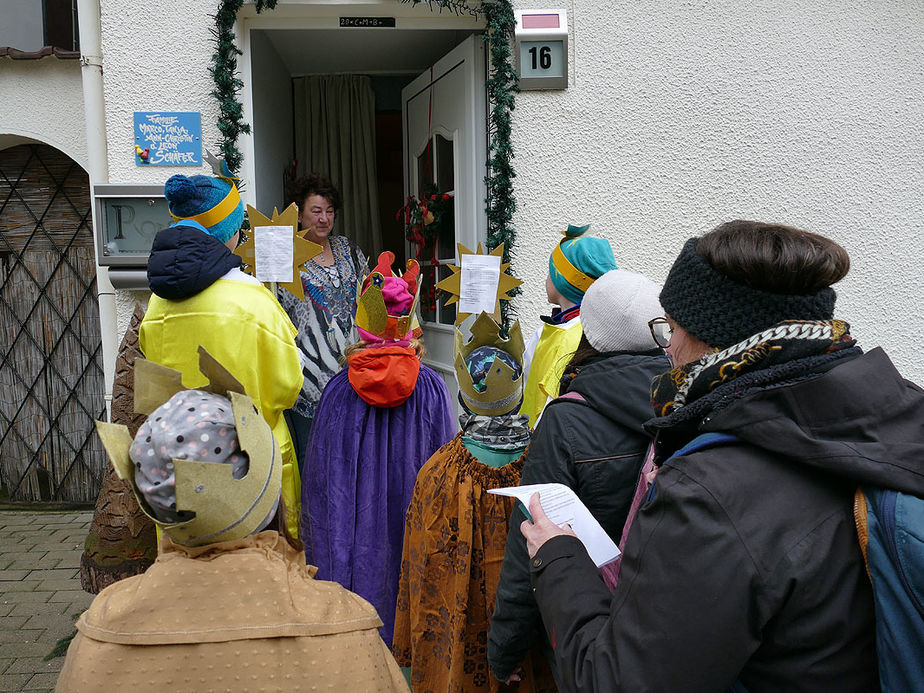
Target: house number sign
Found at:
542, 51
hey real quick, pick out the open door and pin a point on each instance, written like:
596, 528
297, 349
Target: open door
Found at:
445, 144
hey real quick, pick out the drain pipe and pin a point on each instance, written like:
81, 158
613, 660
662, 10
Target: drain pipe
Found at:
91, 61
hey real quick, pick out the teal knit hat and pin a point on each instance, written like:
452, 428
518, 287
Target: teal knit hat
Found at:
213, 202
577, 261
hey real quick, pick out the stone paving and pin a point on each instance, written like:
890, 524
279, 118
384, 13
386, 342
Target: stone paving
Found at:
40, 593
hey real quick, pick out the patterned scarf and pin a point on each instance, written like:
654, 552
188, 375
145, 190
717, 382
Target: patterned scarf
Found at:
507, 432
788, 341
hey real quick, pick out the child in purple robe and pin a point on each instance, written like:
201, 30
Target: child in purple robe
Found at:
378, 420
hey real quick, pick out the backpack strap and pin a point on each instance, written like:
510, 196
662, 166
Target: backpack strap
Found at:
700, 442
704, 441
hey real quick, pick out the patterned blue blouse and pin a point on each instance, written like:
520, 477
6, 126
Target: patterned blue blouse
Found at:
324, 320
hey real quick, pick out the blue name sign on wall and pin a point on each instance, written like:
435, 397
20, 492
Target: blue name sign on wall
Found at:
165, 138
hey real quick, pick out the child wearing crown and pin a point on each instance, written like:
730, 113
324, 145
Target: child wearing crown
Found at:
377, 422
229, 597
574, 264
455, 532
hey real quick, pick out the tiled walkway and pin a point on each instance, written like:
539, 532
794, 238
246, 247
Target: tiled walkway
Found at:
40, 593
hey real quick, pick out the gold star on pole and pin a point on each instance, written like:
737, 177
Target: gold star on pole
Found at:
453, 283
302, 251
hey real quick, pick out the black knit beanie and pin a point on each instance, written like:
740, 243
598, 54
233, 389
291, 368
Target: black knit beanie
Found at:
721, 311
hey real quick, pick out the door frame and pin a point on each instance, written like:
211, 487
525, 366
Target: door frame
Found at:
313, 15
469, 55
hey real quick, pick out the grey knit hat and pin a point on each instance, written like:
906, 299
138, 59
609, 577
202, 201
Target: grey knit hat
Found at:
616, 310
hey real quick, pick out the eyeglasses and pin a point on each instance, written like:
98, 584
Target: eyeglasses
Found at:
661, 332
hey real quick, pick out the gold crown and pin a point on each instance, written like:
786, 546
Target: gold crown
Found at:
302, 251
225, 508
371, 313
502, 391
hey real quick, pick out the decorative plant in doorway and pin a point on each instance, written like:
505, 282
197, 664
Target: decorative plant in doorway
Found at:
423, 221
502, 86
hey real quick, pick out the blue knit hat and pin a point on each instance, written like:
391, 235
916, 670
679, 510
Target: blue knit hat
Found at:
577, 261
213, 202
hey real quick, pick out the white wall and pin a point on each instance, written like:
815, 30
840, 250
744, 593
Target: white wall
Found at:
272, 121
43, 101
155, 57
683, 115
678, 116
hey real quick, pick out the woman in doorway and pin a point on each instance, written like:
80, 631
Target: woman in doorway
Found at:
325, 318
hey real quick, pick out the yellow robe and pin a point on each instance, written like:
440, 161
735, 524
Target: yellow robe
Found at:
243, 326
557, 344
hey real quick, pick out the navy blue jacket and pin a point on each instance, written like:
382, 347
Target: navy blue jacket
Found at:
185, 260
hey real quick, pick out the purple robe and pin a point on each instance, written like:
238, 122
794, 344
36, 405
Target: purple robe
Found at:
360, 468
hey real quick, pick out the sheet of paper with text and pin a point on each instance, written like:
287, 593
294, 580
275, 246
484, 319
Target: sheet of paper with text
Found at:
478, 287
273, 253
563, 506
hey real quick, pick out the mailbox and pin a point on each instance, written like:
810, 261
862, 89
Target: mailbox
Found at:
127, 217
542, 49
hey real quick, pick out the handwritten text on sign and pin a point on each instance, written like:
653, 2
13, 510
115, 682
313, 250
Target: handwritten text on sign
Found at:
168, 139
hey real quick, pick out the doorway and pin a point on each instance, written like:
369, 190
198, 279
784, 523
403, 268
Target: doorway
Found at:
426, 79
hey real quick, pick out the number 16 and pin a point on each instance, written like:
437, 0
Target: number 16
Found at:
544, 56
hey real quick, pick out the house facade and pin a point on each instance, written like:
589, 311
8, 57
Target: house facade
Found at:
676, 117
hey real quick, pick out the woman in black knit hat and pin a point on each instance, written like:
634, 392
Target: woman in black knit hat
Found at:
742, 570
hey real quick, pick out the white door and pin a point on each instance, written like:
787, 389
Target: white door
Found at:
445, 144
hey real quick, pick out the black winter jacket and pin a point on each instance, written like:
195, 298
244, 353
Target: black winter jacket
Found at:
185, 261
743, 565
595, 447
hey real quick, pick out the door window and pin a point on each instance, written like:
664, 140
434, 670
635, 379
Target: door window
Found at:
436, 164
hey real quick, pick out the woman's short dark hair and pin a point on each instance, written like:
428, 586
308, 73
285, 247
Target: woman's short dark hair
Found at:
315, 184
583, 353
774, 257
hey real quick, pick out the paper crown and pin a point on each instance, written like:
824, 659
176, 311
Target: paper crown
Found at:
303, 249
372, 313
225, 508
503, 389
453, 283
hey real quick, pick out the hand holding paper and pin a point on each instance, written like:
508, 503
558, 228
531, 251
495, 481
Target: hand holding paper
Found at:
558, 505
541, 528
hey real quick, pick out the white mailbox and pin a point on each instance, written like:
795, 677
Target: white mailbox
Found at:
542, 48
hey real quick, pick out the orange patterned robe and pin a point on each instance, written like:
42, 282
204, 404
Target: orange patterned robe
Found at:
453, 549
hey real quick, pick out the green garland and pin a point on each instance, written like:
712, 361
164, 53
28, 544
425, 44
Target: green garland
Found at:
227, 84
502, 86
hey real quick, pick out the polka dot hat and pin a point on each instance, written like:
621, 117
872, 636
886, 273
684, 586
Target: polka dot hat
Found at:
192, 425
